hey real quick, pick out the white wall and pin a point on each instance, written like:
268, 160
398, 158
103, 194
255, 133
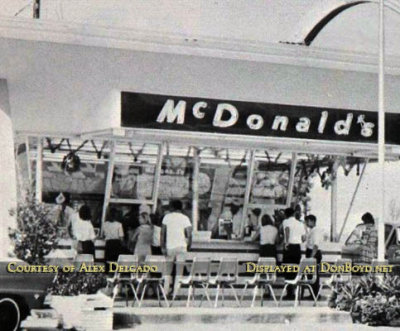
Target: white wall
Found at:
66, 88
8, 183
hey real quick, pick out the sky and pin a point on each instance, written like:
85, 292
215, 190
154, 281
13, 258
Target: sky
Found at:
355, 30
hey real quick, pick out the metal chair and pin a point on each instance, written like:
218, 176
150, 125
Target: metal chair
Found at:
88, 259
262, 281
226, 276
84, 258
198, 276
302, 279
336, 278
126, 280
164, 266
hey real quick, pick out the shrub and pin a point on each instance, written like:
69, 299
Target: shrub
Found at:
36, 232
370, 300
75, 283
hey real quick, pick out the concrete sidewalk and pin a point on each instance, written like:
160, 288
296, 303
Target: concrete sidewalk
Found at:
256, 327
179, 318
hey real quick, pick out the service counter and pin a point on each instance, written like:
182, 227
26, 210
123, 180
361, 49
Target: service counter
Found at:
215, 249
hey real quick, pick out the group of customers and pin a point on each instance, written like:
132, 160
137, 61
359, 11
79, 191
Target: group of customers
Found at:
165, 232
168, 231
288, 228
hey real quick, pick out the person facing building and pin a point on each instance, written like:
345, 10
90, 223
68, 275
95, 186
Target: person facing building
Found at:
268, 236
176, 231
113, 234
142, 237
83, 231
293, 230
314, 238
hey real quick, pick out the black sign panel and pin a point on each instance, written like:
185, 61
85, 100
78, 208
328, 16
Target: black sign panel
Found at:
177, 113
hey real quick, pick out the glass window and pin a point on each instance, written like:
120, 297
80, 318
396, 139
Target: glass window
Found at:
222, 188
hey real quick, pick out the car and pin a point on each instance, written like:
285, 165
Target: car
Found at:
19, 293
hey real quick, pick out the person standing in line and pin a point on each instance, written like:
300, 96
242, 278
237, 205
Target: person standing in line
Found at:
268, 235
176, 236
156, 220
63, 214
114, 235
143, 236
84, 232
293, 231
314, 239
176, 231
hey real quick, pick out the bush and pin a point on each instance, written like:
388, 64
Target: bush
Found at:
36, 232
75, 283
370, 300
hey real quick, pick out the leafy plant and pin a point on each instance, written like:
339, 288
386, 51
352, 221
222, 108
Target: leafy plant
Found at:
36, 232
370, 300
75, 283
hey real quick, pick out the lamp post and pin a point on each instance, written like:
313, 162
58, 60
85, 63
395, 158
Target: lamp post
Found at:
381, 133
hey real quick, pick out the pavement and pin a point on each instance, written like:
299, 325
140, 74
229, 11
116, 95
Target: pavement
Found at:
256, 327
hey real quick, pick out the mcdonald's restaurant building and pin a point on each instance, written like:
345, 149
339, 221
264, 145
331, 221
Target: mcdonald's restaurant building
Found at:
210, 124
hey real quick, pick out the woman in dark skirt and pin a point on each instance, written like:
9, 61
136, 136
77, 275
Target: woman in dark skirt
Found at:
268, 235
113, 234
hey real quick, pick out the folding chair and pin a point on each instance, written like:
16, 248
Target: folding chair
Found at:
262, 281
126, 280
226, 276
336, 278
88, 259
84, 258
164, 266
302, 279
199, 275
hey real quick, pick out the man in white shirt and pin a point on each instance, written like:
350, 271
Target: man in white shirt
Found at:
314, 239
293, 231
176, 235
176, 231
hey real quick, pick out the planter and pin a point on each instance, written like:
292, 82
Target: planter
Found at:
86, 311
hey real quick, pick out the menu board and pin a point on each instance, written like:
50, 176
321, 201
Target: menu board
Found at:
89, 179
137, 181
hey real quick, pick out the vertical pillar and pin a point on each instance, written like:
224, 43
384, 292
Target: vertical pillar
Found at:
39, 170
8, 180
291, 180
334, 207
381, 134
250, 175
195, 188
109, 178
157, 176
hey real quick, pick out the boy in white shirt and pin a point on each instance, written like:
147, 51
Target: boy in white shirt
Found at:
293, 231
314, 239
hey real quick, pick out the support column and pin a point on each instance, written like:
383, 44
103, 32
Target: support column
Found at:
291, 180
39, 170
334, 207
250, 175
157, 176
107, 193
195, 187
381, 135
8, 180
